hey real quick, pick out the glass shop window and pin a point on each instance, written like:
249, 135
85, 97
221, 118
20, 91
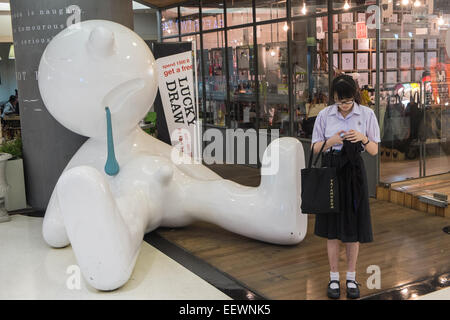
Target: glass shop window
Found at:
169, 22
212, 15
239, 12
215, 77
273, 77
243, 111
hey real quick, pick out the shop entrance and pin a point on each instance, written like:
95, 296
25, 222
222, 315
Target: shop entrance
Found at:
414, 95
415, 132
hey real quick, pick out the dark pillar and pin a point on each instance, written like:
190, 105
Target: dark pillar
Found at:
47, 145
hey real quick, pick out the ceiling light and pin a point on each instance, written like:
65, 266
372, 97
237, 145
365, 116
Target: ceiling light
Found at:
346, 5
138, 6
405, 2
5, 7
304, 8
417, 3
272, 53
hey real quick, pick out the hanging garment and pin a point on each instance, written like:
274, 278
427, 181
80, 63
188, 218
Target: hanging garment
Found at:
415, 115
353, 222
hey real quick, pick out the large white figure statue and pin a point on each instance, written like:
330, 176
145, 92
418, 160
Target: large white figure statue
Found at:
98, 64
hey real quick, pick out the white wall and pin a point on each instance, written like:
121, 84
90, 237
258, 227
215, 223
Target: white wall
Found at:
5, 27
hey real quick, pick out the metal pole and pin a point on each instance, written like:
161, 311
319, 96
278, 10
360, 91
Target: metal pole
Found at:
377, 86
227, 68
202, 61
290, 76
256, 76
197, 137
330, 49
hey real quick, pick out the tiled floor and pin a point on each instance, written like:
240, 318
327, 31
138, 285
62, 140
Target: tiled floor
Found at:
29, 269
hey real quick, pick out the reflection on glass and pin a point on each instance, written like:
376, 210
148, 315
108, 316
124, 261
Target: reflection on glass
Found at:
310, 74
195, 39
350, 4
354, 47
242, 78
414, 104
169, 22
189, 18
215, 77
212, 14
304, 7
239, 12
269, 10
273, 77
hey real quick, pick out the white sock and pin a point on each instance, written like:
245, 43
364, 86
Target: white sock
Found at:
351, 276
334, 276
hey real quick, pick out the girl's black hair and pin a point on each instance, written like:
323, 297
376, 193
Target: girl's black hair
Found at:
12, 98
345, 88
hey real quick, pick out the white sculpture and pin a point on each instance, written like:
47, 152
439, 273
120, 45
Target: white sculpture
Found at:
101, 63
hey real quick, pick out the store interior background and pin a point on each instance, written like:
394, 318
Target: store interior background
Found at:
269, 88
285, 82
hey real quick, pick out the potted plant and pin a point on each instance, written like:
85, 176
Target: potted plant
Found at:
15, 197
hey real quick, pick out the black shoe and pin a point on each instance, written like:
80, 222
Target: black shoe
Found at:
353, 293
334, 293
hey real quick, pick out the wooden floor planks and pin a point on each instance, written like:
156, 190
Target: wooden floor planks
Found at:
409, 245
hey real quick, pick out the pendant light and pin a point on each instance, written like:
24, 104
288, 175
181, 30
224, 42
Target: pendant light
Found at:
304, 8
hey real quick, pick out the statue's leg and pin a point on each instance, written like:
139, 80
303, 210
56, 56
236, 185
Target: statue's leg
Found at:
105, 247
53, 229
270, 212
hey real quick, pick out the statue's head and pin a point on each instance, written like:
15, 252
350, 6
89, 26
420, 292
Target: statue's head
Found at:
93, 65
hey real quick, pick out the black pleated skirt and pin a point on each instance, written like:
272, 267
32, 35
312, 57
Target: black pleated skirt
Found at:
346, 226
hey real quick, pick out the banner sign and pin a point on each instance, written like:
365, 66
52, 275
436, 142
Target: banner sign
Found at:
361, 30
176, 87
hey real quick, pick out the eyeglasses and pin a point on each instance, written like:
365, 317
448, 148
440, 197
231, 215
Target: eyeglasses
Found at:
347, 103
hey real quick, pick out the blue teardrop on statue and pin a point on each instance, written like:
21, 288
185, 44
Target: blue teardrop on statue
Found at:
111, 166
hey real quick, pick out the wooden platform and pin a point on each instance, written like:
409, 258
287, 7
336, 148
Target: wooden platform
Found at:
408, 245
394, 171
407, 193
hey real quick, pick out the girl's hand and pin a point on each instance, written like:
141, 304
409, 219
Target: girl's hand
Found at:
336, 139
355, 136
